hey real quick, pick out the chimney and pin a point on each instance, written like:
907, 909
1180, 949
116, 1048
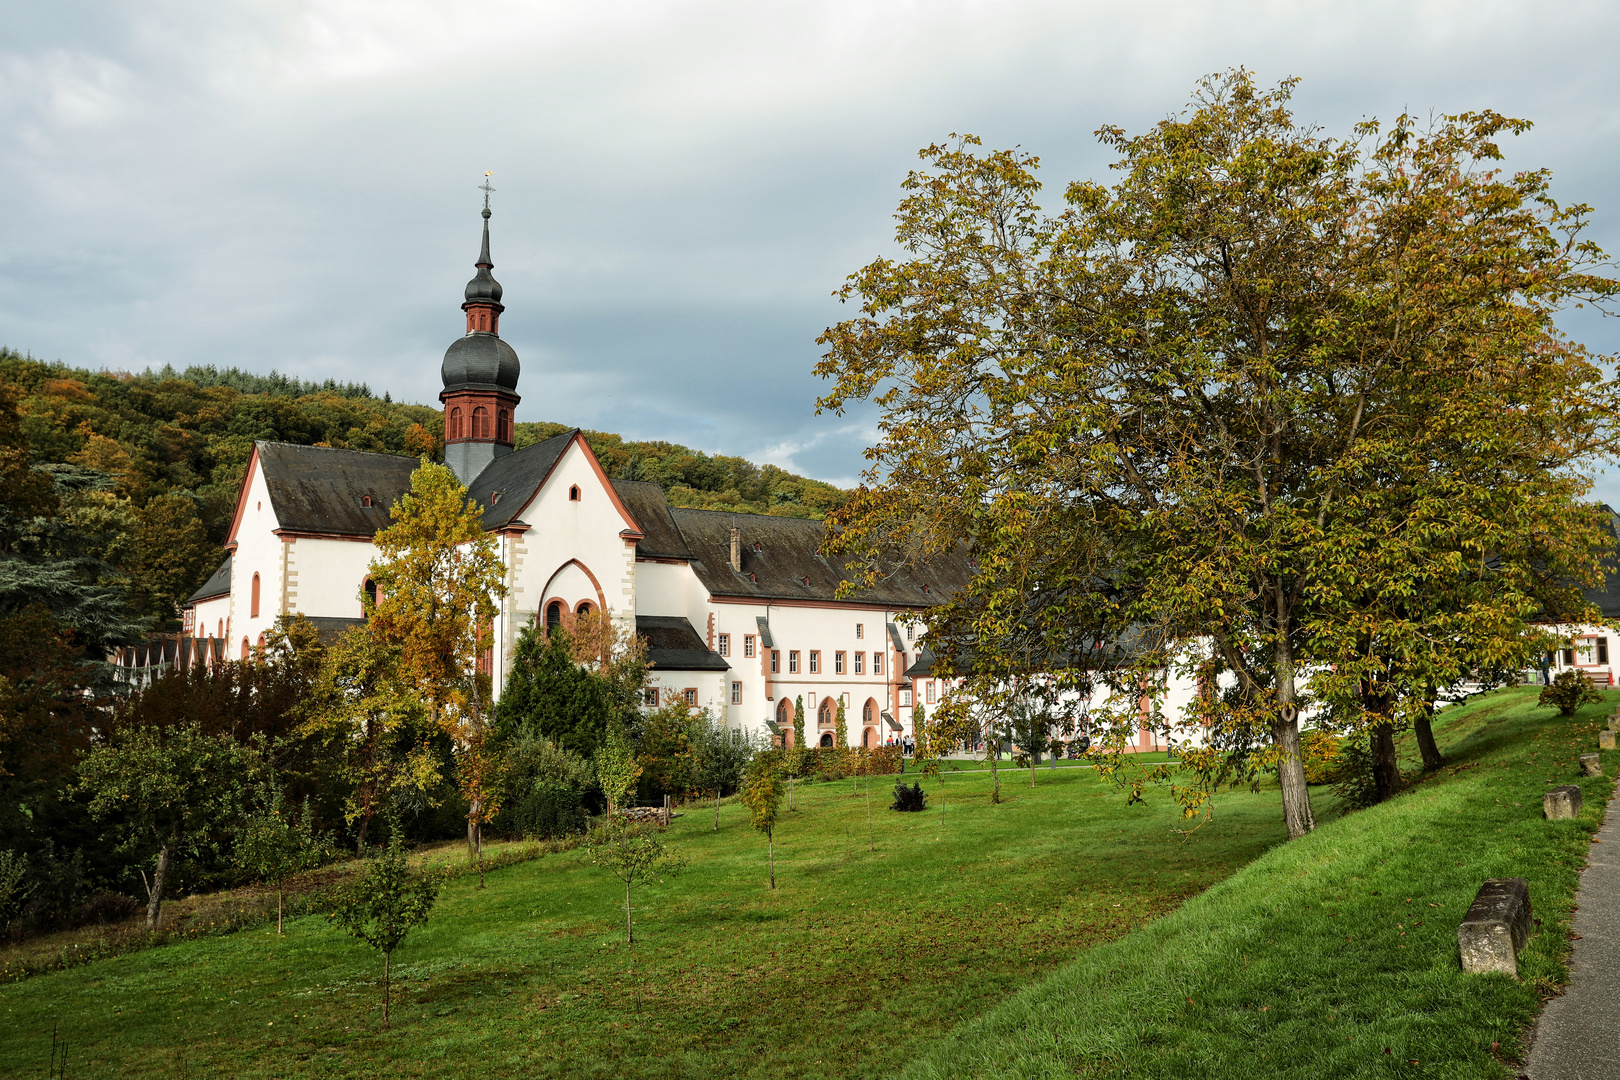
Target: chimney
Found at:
736, 550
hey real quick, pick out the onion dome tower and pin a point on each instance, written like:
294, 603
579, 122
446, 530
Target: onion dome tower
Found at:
480, 375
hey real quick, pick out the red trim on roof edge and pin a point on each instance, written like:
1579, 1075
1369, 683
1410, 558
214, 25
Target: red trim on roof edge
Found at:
241, 496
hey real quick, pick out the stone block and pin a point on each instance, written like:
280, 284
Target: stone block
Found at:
1614, 720
1561, 802
1496, 927
1605, 740
1591, 765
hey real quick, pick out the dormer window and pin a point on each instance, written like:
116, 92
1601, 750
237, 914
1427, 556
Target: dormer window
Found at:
495, 497
573, 493
925, 588
754, 578
365, 500
807, 582
757, 546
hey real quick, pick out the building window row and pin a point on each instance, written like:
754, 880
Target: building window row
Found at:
460, 426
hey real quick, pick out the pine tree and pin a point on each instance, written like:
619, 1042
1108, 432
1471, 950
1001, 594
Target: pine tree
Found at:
549, 694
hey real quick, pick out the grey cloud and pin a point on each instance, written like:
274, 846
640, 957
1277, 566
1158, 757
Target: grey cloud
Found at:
680, 186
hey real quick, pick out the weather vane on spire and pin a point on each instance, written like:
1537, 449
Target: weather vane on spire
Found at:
486, 189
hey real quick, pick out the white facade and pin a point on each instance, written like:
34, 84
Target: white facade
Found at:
575, 543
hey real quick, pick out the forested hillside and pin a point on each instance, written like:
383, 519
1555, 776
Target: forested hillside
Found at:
149, 464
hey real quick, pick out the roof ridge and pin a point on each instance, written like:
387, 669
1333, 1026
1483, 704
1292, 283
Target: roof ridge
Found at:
743, 513
334, 449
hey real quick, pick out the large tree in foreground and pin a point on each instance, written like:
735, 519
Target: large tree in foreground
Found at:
1157, 417
438, 577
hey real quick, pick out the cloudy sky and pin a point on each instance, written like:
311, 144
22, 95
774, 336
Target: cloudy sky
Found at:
680, 186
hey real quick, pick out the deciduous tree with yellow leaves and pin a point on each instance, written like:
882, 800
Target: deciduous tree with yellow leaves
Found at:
438, 578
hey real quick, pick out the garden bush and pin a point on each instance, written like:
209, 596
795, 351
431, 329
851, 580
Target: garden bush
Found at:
553, 809
908, 799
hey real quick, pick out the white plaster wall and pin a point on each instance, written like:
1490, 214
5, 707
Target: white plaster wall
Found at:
562, 531
1584, 640
209, 615
258, 550
827, 629
711, 687
664, 589
573, 587
325, 577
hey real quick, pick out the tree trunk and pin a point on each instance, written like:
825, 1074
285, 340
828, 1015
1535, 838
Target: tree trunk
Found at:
790, 794
871, 843
1386, 771
386, 958
472, 828
1296, 797
279, 931
716, 809
629, 925
1423, 726
770, 847
993, 753
160, 877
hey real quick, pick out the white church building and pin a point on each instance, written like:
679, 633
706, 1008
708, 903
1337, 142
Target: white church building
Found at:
740, 611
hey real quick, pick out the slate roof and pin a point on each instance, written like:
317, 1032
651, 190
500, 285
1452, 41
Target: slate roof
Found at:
517, 476
789, 555
318, 489
672, 645
649, 508
1607, 598
330, 628
218, 585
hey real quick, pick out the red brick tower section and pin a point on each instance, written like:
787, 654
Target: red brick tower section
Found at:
480, 376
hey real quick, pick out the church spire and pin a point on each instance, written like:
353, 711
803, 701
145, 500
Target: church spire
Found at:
480, 374
483, 306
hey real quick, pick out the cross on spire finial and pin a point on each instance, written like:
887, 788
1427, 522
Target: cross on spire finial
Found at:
487, 190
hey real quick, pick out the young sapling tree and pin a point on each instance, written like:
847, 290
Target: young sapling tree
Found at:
635, 853
275, 843
385, 904
762, 794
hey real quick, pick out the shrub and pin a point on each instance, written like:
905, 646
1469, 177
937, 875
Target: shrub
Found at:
1320, 752
553, 809
908, 799
1568, 691
884, 761
1353, 779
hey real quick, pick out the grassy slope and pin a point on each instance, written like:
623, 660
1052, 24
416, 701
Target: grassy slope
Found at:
859, 961
1334, 955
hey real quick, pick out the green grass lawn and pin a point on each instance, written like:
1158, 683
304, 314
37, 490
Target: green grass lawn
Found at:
858, 962
1334, 955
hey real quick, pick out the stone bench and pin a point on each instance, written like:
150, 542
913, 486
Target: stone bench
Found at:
1561, 802
1496, 927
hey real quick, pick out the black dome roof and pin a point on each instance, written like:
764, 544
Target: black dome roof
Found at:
480, 361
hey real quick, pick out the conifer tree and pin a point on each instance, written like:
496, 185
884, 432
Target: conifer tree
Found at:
549, 693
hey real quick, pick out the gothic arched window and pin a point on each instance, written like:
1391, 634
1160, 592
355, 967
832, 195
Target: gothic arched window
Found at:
253, 606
